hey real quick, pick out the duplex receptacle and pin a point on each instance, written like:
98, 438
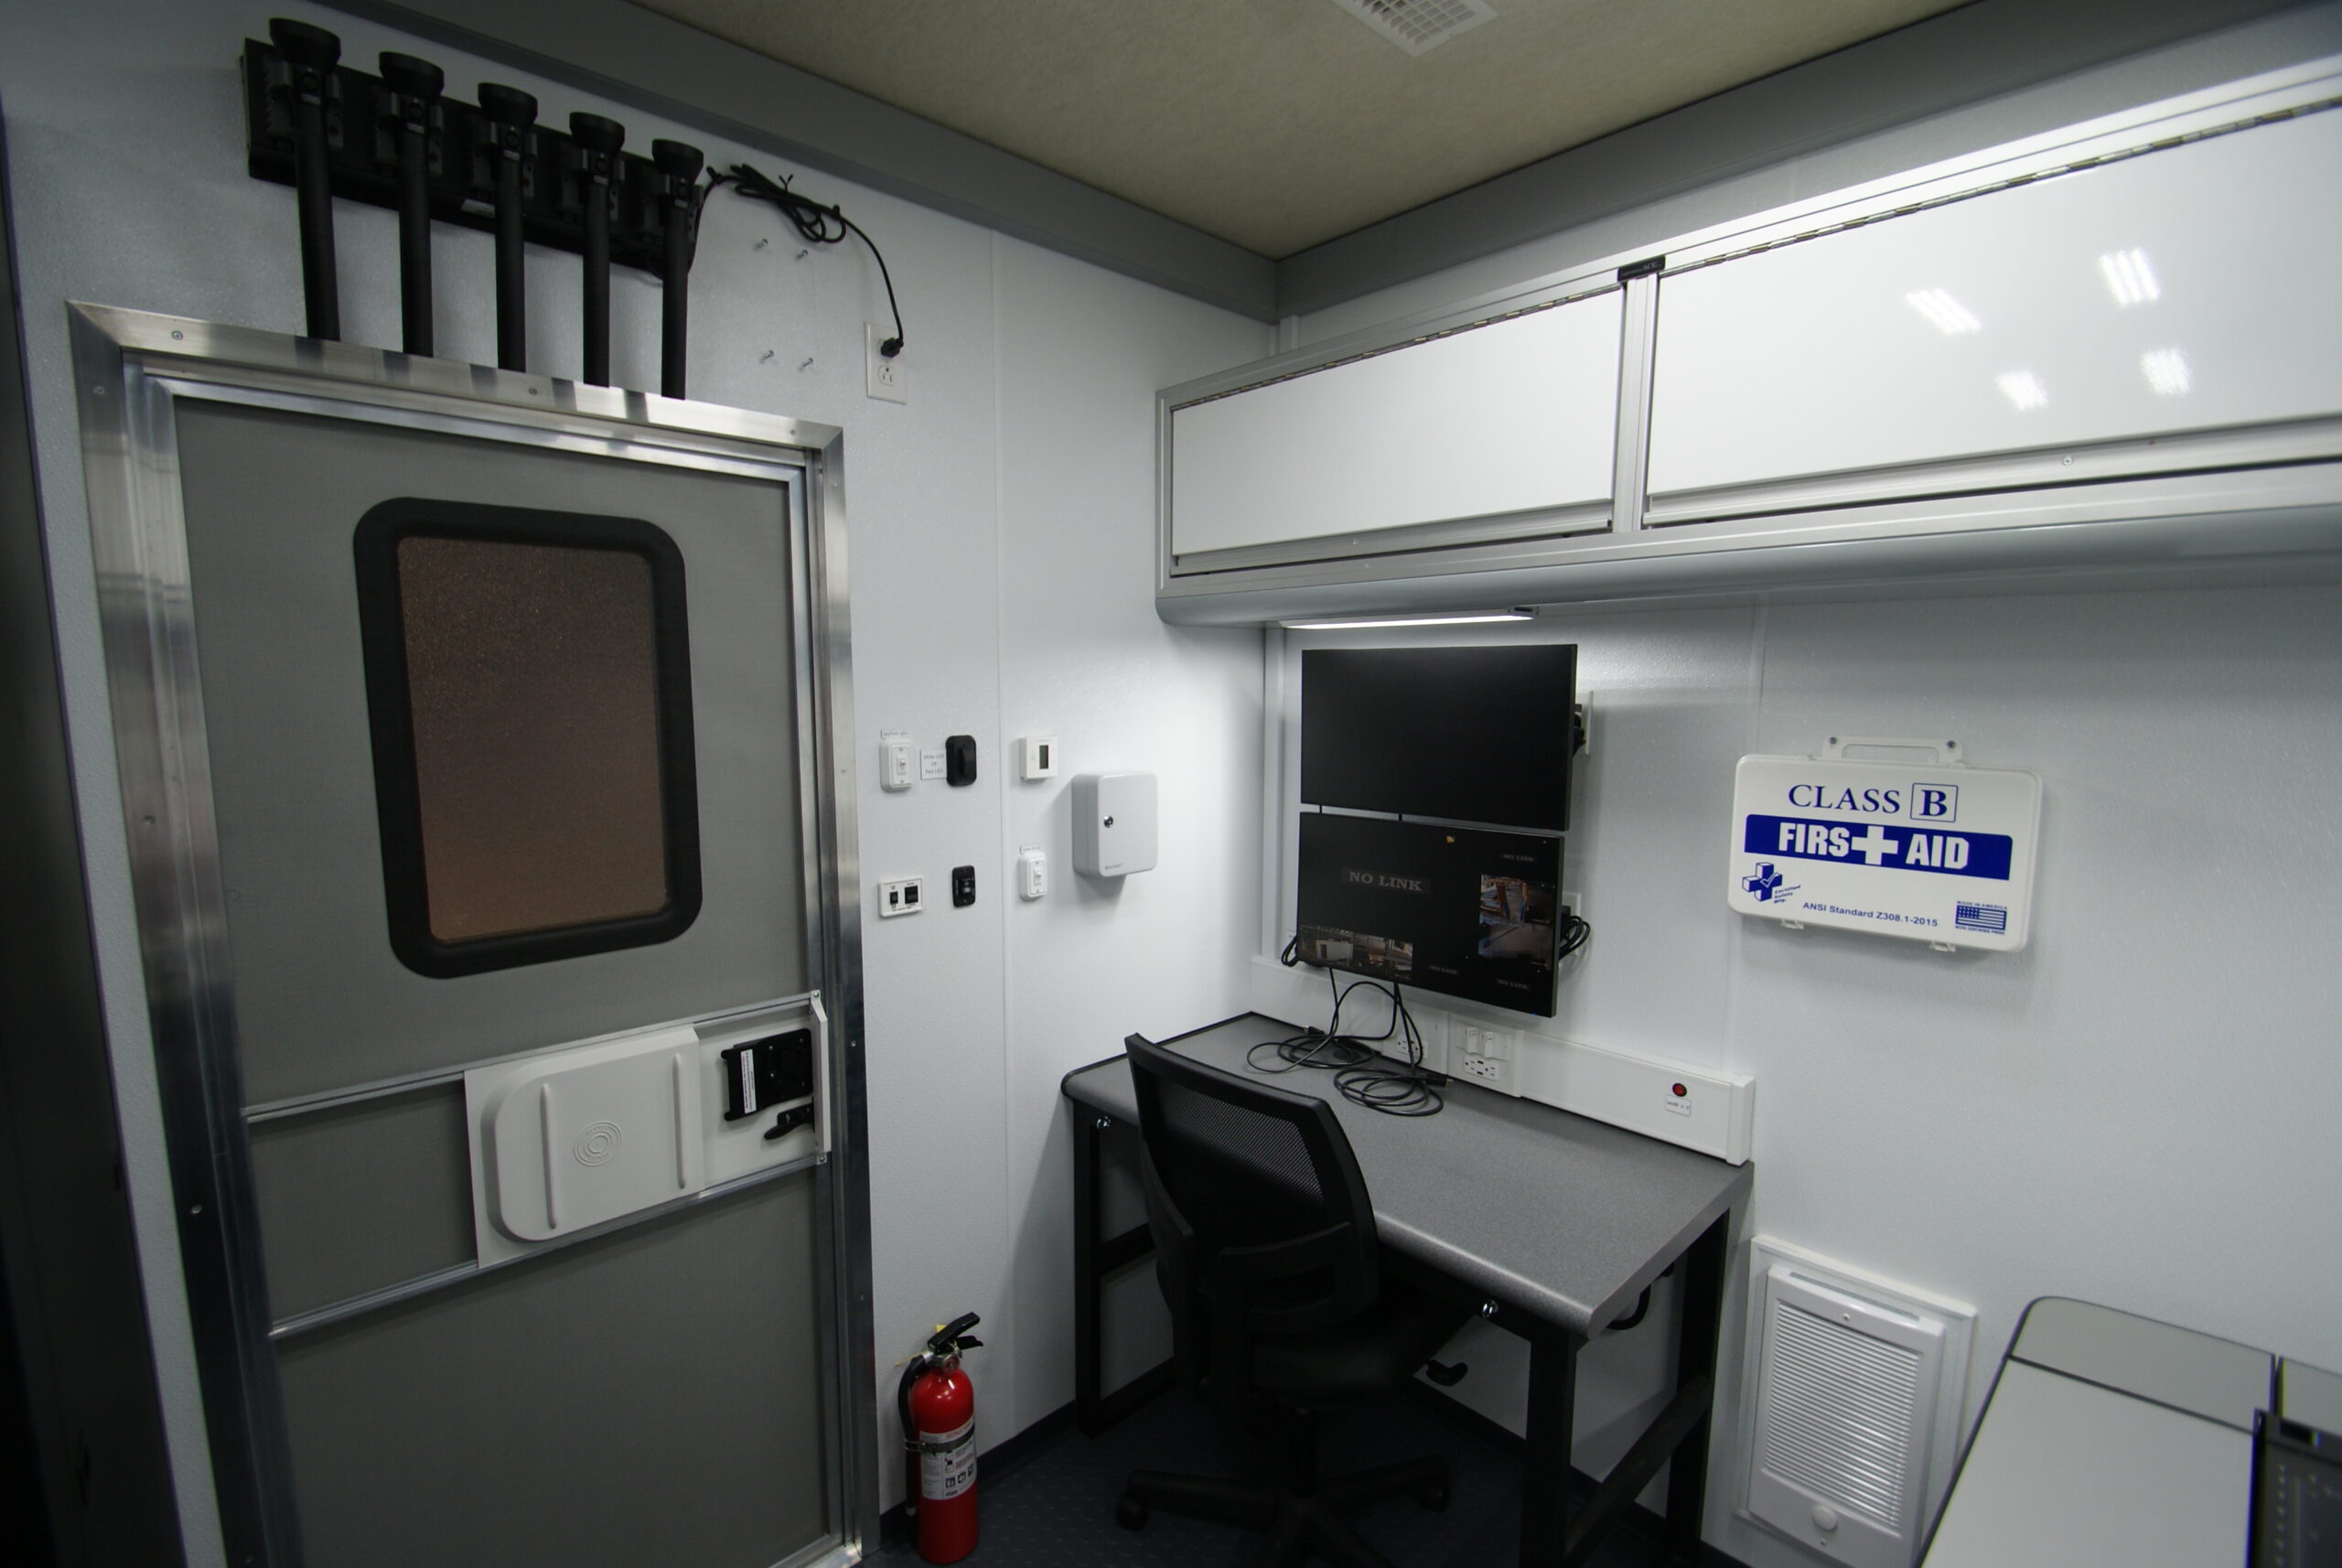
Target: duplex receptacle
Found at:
1480, 1053
1487, 1070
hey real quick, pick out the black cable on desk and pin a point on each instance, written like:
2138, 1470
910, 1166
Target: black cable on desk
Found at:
1361, 1074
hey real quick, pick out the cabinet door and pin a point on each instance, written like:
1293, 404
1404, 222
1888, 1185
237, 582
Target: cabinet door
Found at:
2184, 289
1508, 425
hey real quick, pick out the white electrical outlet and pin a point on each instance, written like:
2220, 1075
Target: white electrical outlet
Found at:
1480, 1053
889, 382
905, 897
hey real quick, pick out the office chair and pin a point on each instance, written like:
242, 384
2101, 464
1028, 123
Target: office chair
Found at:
1266, 1246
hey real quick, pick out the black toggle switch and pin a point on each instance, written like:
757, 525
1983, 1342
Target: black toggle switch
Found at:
963, 886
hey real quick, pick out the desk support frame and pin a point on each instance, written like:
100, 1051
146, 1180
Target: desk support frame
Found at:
1677, 1437
1095, 1258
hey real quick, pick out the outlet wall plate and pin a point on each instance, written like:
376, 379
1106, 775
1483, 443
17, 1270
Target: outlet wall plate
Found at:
887, 380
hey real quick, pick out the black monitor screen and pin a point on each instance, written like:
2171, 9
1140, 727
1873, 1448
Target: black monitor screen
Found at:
1463, 912
1478, 735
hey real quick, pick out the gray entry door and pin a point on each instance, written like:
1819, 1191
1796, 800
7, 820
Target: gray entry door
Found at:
537, 780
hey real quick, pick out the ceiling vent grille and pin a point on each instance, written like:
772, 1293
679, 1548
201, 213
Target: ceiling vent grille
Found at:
1416, 25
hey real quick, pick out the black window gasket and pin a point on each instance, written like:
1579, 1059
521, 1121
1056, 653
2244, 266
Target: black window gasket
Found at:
398, 804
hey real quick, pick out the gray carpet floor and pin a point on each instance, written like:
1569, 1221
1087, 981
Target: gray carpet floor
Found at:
1055, 1508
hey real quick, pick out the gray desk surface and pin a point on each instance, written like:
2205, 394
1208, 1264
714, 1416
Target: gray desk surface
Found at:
2109, 1438
2064, 1473
1565, 1217
2312, 1396
2216, 1379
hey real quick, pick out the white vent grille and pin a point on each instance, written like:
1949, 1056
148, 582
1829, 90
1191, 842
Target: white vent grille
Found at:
1846, 1401
1416, 25
1839, 1421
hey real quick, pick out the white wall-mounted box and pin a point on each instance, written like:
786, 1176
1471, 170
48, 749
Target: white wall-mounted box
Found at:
1113, 823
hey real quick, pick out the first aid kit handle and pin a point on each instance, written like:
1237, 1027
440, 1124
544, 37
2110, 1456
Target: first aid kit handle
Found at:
1892, 748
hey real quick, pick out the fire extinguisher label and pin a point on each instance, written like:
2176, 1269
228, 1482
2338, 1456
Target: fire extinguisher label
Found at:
947, 1463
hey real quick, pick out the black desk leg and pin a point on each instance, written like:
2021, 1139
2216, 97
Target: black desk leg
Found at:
1699, 1321
1546, 1478
1088, 1285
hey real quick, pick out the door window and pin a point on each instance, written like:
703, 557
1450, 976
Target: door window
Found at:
528, 675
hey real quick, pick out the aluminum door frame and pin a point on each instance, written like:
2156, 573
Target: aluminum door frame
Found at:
130, 368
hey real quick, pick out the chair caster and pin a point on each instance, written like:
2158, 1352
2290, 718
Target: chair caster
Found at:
1131, 1512
1434, 1496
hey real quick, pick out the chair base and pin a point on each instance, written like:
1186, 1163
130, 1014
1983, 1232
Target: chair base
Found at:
1297, 1524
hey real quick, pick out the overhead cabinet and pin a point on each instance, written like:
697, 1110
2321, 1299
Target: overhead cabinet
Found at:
2088, 318
2113, 344
1501, 429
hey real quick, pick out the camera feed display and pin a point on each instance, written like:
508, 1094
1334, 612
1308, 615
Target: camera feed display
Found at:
1467, 912
1358, 953
1516, 917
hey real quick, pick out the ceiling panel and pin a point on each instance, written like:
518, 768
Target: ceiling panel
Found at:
1280, 124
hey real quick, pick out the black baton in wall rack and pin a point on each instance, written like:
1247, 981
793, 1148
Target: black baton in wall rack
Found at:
308, 55
414, 86
510, 114
596, 142
679, 163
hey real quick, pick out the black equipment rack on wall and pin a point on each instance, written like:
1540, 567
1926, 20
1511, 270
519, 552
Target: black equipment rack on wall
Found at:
362, 141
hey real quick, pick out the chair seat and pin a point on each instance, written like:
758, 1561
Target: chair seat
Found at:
1370, 1354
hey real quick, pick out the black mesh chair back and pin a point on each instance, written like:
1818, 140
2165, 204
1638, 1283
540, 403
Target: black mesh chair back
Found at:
1260, 1217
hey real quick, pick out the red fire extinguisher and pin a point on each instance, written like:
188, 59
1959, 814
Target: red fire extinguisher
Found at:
938, 1406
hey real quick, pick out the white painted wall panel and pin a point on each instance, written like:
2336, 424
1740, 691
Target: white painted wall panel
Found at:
1084, 657
2186, 289
1506, 418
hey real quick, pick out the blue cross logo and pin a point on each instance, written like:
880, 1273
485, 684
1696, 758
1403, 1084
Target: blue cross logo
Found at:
1765, 884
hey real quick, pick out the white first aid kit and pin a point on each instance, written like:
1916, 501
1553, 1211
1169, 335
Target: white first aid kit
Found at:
1896, 837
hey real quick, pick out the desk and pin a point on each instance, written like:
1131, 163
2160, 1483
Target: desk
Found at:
1553, 1225
2108, 1438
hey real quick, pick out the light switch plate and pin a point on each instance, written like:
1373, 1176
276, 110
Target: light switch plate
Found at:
905, 896
894, 760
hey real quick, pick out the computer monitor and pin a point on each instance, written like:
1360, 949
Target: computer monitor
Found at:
1473, 735
1463, 912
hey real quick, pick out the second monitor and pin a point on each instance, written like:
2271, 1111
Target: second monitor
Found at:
1463, 912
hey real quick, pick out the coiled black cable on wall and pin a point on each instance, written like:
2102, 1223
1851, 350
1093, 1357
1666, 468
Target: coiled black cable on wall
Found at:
816, 225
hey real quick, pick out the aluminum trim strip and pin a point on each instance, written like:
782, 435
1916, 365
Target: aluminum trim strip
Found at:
1544, 522
301, 1104
457, 1274
2078, 465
